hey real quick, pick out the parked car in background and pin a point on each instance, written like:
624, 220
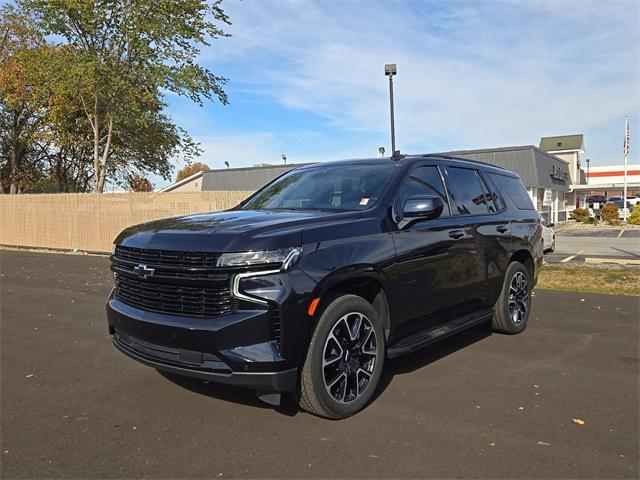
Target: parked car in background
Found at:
633, 200
548, 236
600, 199
309, 284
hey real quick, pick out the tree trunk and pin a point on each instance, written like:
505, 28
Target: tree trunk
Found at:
102, 172
13, 172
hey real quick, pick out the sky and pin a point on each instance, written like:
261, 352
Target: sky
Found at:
306, 78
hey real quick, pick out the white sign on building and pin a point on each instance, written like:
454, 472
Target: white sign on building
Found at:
546, 200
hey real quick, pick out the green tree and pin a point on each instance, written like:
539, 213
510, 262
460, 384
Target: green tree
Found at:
123, 55
190, 169
21, 100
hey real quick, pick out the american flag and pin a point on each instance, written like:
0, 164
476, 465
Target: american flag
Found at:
627, 136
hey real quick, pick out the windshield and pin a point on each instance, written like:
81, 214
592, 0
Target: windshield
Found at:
338, 187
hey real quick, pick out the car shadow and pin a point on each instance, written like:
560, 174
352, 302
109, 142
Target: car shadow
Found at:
231, 393
430, 354
392, 367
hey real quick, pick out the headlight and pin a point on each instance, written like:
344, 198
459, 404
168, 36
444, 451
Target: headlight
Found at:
287, 257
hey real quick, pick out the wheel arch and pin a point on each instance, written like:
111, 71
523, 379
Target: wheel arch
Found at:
366, 282
524, 257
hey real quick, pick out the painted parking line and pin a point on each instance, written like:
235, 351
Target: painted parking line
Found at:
616, 261
571, 257
621, 232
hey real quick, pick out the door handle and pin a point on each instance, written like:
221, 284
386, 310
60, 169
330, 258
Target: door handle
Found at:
455, 234
502, 228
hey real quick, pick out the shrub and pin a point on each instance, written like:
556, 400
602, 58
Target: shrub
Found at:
590, 221
610, 212
614, 222
580, 214
634, 218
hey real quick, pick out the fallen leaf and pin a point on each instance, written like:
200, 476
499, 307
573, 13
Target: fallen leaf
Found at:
30, 375
543, 443
493, 444
578, 421
520, 408
582, 299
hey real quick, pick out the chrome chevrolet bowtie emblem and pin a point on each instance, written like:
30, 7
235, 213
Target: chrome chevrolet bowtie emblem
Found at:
143, 271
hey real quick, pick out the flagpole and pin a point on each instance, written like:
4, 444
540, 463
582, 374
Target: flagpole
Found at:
626, 157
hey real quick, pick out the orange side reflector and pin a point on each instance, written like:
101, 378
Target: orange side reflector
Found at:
312, 306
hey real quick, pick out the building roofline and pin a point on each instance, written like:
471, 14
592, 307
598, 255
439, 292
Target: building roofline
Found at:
506, 149
262, 167
182, 182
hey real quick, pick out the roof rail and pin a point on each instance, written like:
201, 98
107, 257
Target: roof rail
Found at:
462, 159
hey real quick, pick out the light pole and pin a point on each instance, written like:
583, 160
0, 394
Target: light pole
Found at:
588, 162
284, 157
390, 70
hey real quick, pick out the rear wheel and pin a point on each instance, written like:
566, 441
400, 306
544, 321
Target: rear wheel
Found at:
511, 311
344, 361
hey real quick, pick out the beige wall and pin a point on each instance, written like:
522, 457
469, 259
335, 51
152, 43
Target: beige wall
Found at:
90, 221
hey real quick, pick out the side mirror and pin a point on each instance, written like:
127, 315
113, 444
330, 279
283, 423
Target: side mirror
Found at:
422, 207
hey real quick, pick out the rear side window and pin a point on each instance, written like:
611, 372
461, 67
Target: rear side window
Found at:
513, 189
468, 193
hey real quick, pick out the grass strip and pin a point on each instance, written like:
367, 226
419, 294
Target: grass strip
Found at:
579, 278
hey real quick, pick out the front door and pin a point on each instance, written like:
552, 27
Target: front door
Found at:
436, 258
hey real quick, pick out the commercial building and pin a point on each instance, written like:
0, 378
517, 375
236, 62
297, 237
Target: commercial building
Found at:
609, 181
231, 179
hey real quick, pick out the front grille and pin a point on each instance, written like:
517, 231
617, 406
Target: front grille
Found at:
175, 299
181, 283
168, 258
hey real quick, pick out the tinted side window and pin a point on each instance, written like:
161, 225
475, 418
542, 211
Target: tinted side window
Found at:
424, 181
494, 191
467, 192
513, 189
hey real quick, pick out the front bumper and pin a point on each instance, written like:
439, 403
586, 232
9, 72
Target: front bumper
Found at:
234, 348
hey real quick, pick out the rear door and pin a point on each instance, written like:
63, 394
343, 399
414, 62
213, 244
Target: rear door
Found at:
474, 205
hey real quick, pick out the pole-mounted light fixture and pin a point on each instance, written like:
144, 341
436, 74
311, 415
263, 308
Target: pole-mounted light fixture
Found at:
381, 151
284, 158
390, 70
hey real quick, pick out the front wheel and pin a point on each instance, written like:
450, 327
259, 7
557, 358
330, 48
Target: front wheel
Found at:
511, 311
344, 360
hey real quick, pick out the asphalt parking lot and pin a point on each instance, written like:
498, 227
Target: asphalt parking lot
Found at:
560, 400
576, 246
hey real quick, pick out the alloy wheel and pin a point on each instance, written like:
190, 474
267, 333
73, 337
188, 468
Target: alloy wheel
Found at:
349, 357
518, 298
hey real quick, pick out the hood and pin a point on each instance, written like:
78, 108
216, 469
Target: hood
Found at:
230, 231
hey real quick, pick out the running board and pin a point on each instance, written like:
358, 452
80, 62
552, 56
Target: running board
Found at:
423, 338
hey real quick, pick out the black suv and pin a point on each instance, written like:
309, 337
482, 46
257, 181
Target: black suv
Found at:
309, 284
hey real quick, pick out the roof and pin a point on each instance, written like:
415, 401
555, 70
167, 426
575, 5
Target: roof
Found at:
182, 182
563, 142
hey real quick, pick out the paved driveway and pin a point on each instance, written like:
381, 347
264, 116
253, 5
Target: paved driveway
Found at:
475, 405
599, 245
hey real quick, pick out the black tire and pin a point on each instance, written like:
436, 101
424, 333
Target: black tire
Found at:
553, 244
508, 311
345, 359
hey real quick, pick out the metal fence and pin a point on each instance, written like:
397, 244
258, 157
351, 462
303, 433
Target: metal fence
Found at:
88, 221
